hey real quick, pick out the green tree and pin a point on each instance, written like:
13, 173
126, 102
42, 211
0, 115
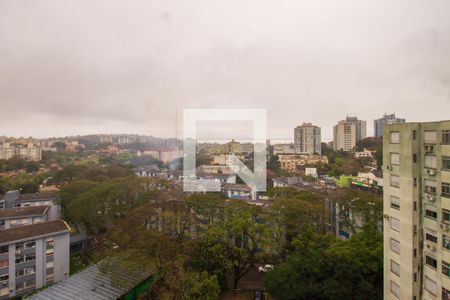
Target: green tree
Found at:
60, 146
323, 267
199, 286
233, 247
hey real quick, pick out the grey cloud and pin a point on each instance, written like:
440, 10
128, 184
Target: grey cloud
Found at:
69, 67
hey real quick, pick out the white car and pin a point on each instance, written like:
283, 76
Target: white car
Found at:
265, 268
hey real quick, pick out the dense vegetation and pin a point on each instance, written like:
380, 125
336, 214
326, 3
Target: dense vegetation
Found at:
202, 244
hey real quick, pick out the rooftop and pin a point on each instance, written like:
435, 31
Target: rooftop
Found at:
29, 231
36, 196
9, 213
92, 283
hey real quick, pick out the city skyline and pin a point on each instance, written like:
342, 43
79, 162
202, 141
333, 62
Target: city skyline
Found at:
228, 133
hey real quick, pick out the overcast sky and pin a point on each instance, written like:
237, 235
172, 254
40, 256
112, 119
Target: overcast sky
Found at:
79, 67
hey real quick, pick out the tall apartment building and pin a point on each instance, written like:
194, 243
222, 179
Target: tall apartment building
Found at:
378, 124
417, 210
307, 139
28, 152
348, 132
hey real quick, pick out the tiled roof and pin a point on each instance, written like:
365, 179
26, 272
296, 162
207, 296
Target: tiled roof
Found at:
37, 196
10, 213
28, 231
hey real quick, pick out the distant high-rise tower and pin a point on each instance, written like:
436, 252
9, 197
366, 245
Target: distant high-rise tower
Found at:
307, 139
386, 119
348, 132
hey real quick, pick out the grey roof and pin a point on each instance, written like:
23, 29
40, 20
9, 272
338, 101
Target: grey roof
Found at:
91, 283
20, 212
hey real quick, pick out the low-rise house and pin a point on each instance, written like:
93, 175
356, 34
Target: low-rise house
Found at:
371, 180
238, 191
222, 178
286, 181
291, 162
283, 149
215, 169
364, 153
33, 256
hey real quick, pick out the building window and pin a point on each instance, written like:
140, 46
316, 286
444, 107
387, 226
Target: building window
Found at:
20, 273
4, 277
430, 187
395, 181
446, 163
395, 158
414, 134
395, 246
395, 137
430, 237
445, 216
446, 137
415, 205
430, 137
445, 294
395, 268
415, 182
30, 257
430, 286
414, 158
430, 261
430, 161
395, 289
430, 211
395, 224
446, 268
4, 263
30, 244
446, 242
395, 202
20, 259
4, 249
445, 189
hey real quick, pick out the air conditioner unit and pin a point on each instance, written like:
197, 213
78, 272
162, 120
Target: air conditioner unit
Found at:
428, 246
386, 216
431, 198
389, 167
433, 248
429, 148
444, 227
431, 172
4, 282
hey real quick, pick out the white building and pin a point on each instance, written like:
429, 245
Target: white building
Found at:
348, 132
307, 139
28, 152
364, 153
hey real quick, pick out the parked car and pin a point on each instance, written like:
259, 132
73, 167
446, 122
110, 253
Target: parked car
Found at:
265, 268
